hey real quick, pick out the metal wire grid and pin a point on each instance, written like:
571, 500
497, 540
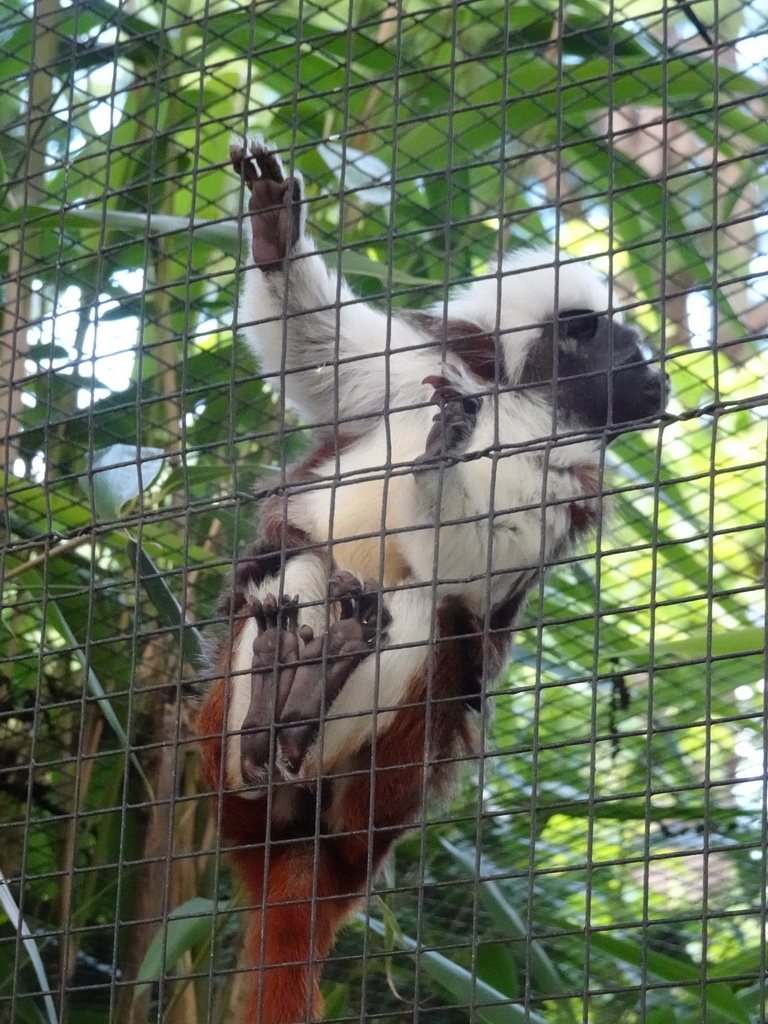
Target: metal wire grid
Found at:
610, 865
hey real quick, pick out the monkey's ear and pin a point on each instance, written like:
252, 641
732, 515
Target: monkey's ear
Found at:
579, 324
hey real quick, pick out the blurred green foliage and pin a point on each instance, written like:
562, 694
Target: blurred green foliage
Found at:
610, 864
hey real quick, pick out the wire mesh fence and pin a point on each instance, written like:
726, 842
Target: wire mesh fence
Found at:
599, 854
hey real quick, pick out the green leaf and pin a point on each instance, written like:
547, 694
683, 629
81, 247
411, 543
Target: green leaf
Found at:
533, 97
119, 474
103, 699
496, 966
187, 926
29, 944
545, 976
168, 608
717, 995
488, 1004
336, 1001
701, 644
44, 507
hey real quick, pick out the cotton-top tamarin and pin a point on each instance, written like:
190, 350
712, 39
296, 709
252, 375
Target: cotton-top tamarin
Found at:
393, 563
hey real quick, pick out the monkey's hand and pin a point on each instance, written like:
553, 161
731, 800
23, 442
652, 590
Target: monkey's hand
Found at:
275, 203
293, 689
453, 424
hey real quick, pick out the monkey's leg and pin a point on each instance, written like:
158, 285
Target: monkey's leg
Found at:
308, 894
275, 203
380, 792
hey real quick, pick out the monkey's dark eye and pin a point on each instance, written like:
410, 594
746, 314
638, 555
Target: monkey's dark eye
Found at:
579, 324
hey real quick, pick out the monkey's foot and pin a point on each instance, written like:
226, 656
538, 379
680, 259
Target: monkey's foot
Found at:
276, 653
453, 424
328, 661
360, 602
291, 686
275, 203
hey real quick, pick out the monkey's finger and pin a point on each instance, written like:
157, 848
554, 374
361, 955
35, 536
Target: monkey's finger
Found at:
269, 605
288, 613
257, 610
342, 587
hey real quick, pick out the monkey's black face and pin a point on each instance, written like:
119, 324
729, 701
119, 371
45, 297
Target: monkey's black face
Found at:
596, 372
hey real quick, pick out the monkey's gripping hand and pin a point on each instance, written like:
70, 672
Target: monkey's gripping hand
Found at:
275, 204
452, 426
292, 689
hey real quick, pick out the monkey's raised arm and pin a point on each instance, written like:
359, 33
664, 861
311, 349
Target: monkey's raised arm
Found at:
336, 356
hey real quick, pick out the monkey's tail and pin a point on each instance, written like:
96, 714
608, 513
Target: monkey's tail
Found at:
290, 933
299, 892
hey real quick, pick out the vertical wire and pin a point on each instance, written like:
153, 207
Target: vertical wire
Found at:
173, 864
710, 545
394, 11
494, 397
589, 847
762, 912
217, 853
241, 974
108, 163
285, 270
432, 650
544, 509
649, 795
67, 887
41, 12
335, 483
648, 985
